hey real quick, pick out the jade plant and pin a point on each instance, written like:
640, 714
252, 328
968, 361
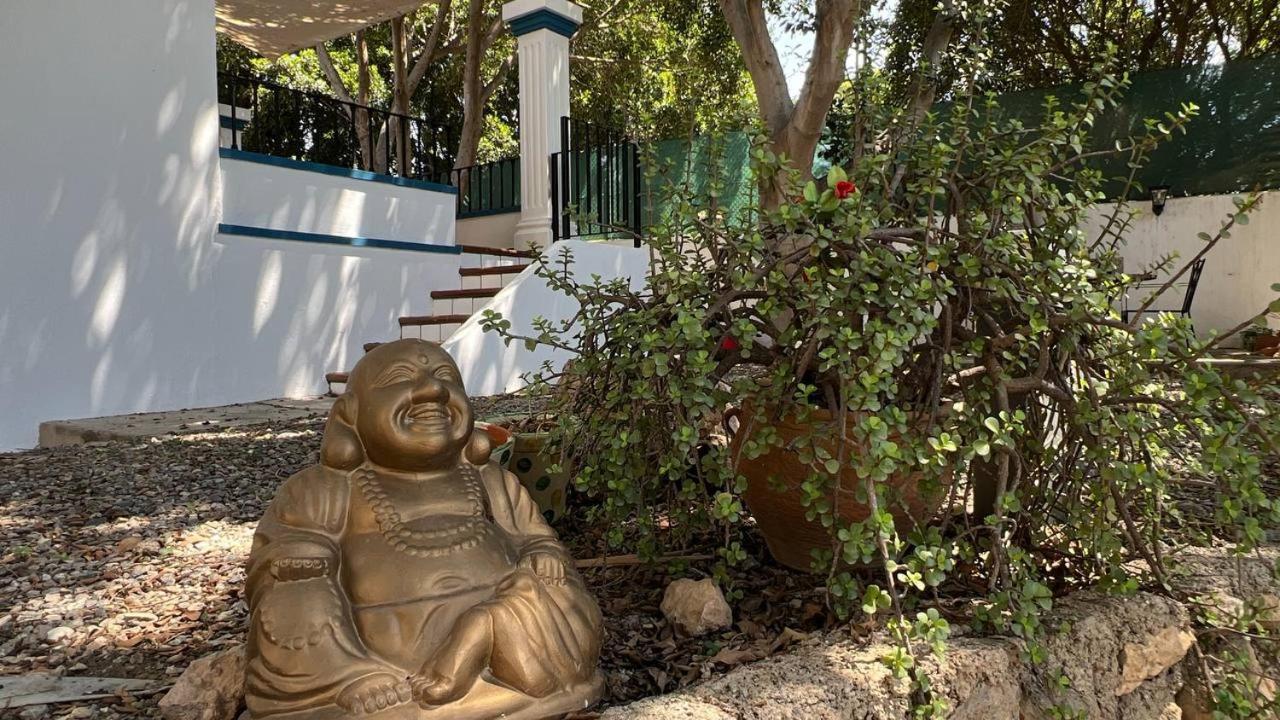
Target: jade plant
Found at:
944, 305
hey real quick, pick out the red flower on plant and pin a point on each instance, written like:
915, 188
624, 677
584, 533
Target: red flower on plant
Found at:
729, 343
844, 189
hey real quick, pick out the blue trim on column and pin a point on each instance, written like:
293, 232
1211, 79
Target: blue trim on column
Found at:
226, 122
274, 234
334, 170
543, 19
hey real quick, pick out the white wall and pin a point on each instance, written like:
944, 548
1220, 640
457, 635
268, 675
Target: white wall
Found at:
116, 294
262, 195
1238, 271
490, 366
495, 231
288, 311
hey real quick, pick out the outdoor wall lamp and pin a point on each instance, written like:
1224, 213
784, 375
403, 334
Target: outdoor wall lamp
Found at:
1159, 195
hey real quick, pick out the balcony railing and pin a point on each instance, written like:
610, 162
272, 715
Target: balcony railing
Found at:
595, 183
487, 189
291, 123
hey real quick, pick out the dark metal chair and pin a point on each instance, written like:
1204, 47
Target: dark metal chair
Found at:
1196, 268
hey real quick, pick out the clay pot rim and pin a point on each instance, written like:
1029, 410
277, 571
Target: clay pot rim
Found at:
497, 434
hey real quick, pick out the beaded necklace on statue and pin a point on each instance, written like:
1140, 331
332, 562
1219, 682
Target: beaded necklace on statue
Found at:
436, 542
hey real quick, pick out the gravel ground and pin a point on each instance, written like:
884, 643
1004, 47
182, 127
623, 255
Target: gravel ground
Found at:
126, 560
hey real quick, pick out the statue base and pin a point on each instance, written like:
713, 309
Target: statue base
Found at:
486, 701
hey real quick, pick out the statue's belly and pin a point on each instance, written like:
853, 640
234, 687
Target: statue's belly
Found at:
376, 572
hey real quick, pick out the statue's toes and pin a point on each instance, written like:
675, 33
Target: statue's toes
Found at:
371, 694
433, 691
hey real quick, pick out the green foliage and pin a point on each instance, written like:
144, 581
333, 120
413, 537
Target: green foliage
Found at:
1041, 44
949, 318
661, 69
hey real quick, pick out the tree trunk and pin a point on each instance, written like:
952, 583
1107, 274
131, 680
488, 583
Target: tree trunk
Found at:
400, 93
925, 88
358, 116
794, 127
472, 86
364, 123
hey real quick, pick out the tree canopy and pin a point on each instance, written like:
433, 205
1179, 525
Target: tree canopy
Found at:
656, 68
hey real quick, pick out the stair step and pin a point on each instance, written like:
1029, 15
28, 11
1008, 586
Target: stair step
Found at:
492, 270
420, 320
464, 294
336, 378
500, 252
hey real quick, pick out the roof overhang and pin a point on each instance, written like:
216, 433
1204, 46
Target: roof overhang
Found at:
273, 28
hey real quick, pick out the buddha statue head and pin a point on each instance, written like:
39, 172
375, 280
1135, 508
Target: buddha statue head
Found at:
405, 409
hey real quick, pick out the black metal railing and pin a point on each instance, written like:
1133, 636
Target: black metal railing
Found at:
286, 122
595, 183
487, 189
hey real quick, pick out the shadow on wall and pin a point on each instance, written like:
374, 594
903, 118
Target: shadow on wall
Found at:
116, 295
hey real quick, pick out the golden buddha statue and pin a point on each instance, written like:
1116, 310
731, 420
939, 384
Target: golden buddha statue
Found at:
408, 577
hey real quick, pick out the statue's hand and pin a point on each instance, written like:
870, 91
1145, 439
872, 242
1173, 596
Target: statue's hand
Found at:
299, 613
546, 565
375, 692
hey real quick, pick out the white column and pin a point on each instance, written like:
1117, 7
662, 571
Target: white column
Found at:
543, 29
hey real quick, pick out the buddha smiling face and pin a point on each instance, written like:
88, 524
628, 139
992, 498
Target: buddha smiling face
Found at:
410, 411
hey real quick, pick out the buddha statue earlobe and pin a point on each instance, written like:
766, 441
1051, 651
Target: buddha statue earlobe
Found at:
479, 447
341, 448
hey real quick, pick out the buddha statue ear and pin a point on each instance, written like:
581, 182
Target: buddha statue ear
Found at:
479, 447
341, 448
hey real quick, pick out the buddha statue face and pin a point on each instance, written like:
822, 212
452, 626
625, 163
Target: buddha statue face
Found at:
411, 411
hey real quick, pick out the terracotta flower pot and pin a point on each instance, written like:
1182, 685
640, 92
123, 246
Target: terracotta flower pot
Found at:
777, 508
1265, 344
503, 442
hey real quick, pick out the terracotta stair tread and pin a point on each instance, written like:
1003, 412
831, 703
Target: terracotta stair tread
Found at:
500, 252
462, 294
408, 320
336, 377
495, 270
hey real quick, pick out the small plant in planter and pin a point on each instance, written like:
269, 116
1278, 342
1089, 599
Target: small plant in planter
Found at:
927, 369
1264, 337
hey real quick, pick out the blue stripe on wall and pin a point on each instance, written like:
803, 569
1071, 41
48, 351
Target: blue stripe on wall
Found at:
334, 170
274, 234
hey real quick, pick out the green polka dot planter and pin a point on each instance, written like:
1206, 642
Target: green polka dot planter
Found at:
547, 489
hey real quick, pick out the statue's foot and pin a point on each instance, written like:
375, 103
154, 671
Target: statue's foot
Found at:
433, 688
375, 692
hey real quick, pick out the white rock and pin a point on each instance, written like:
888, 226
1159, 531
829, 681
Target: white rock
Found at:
60, 634
696, 606
210, 689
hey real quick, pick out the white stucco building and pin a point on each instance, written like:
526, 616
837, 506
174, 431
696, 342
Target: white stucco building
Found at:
148, 262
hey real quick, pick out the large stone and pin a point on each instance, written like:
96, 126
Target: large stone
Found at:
696, 607
1143, 660
1087, 639
211, 688
833, 677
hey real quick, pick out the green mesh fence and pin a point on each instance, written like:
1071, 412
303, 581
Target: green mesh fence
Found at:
1233, 145
681, 161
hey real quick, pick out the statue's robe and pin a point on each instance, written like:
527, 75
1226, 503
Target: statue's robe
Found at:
367, 606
